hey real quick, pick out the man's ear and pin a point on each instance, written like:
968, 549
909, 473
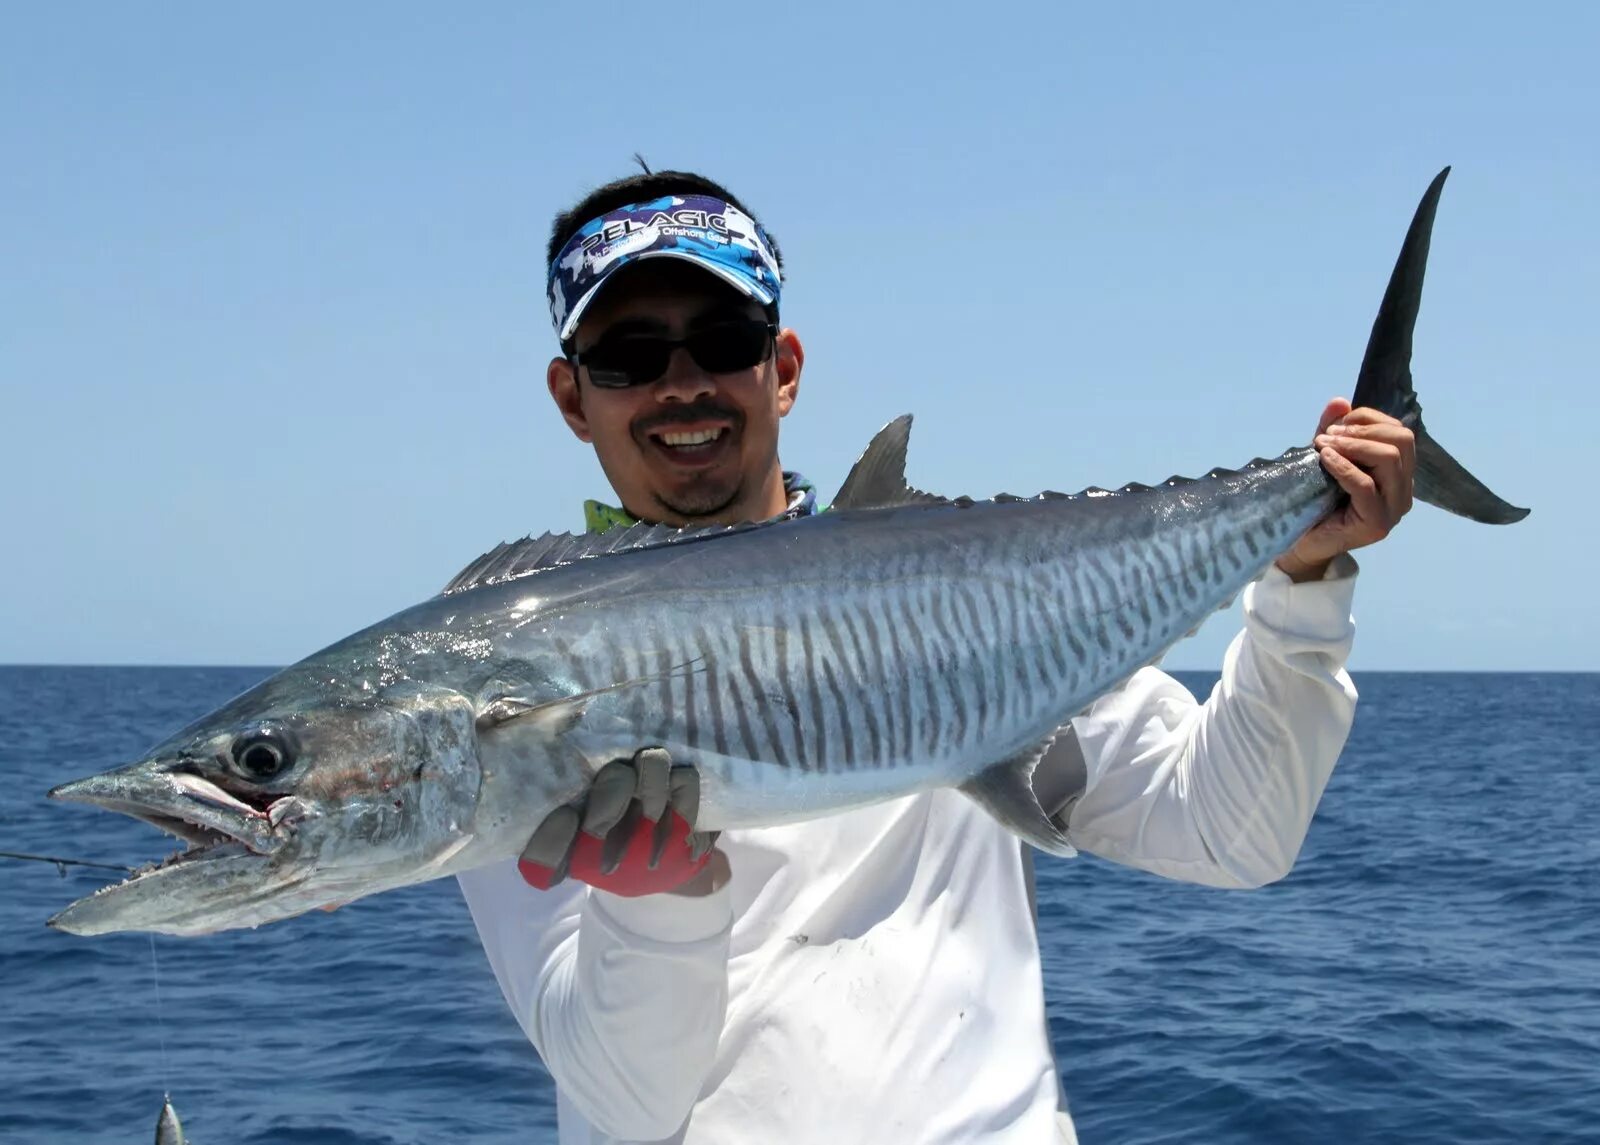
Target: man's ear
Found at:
790, 357
563, 381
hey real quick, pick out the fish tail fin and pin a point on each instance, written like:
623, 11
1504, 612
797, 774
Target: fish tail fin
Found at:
1385, 382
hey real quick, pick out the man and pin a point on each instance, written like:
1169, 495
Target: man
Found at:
873, 976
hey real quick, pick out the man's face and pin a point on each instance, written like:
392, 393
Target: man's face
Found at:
690, 446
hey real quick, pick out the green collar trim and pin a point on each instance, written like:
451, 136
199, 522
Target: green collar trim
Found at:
598, 516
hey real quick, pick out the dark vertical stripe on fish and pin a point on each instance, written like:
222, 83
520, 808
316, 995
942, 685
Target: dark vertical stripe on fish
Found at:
763, 739
627, 663
866, 695
1195, 557
813, 696
573, 665
1037, 637
834, 710
663, 675
790, 705
1072, 612
947, 664
713, 689
1005, 644
1168, 575
1055, 622
884, 670
1043, 643
1097, 616
977, 648
1185, 574
841, 710
691, 663
1214, 550
745, 744
1018, 644
928, 725
1140, 594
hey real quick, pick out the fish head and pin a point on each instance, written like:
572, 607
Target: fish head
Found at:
293, 796
169, 1130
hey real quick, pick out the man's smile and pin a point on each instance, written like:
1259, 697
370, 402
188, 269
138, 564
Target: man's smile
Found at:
698, 437
692, 445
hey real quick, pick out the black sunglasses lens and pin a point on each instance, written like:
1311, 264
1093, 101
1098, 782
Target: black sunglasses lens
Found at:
728, 348
627, 361
722, 349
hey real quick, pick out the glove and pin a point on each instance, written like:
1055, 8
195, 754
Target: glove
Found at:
632, 834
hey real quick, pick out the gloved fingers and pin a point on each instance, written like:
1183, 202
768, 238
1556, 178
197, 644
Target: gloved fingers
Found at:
619, 839
684, 792
660, 837
653, 766
602, 838
609, 797
551, 844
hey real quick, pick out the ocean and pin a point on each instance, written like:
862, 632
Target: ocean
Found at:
1429, 973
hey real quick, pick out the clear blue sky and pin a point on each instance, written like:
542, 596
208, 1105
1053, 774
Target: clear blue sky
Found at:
273, 335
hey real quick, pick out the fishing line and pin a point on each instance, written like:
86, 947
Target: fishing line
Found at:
62, 864
161, 1026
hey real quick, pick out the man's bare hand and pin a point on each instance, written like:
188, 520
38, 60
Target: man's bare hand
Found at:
1373, 458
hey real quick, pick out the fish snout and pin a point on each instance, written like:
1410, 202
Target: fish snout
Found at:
188, 805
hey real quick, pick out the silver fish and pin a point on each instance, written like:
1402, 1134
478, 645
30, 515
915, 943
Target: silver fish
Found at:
897, 643
169, 1130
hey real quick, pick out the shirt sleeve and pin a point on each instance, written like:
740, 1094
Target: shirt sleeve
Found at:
624, 998
1222, 793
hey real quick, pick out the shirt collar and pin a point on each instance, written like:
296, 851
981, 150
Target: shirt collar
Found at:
598, 516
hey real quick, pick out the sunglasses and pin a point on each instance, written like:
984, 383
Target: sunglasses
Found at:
638, 359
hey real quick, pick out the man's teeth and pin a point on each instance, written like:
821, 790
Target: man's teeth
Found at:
699, 437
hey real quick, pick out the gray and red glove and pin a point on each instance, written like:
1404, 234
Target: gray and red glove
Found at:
632, 834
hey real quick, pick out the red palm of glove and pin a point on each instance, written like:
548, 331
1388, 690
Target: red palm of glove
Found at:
633, 874
632, 835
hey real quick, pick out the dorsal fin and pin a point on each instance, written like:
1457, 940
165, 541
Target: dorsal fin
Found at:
878, 479
507, 561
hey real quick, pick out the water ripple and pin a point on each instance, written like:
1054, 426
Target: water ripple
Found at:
1430, 973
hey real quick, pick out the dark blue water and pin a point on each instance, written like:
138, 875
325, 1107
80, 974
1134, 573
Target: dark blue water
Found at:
1429, 973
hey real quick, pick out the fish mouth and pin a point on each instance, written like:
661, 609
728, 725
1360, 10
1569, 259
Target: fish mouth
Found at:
185, 805
222, 829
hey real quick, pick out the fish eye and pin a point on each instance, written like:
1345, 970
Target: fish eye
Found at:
263, 753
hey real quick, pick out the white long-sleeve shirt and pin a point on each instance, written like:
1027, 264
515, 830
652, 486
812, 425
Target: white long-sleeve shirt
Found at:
875, 975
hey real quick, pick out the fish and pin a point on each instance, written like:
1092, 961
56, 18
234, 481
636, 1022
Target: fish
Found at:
900, 642
169, 1130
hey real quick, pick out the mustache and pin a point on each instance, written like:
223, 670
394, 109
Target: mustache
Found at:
701, 410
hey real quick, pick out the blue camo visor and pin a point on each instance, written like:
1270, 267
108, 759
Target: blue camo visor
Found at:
712, 234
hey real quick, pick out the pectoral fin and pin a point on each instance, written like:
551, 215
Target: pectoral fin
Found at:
561, 714
551, 717
1005, 791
